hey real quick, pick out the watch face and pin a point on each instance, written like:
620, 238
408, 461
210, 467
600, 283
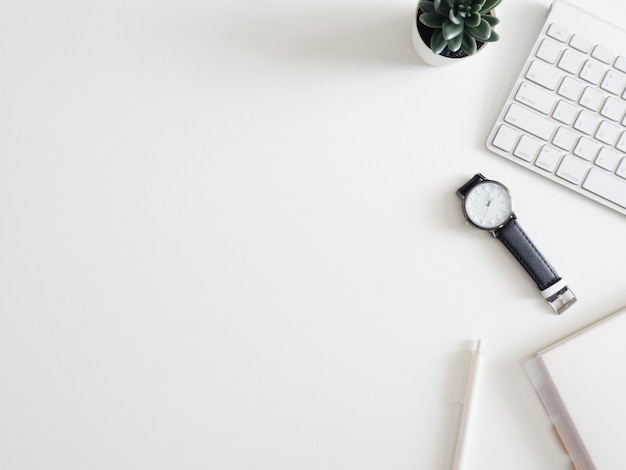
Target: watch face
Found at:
488, 205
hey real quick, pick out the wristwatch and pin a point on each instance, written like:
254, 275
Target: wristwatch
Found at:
487, 205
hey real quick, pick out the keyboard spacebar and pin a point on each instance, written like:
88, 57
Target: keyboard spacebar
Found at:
606, 186
529, 121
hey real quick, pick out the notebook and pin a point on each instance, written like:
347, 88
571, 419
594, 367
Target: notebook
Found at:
582, 383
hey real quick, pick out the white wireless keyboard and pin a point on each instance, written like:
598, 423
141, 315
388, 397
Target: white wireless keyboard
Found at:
565, 116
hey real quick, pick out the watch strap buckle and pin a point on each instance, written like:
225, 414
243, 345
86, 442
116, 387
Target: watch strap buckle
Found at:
559, 296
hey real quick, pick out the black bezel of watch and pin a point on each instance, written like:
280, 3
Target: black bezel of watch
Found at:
510, 233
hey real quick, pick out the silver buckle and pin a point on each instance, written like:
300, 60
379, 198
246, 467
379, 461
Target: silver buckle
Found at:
563, 301
559, 296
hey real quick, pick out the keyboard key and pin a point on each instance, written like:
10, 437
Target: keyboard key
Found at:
613, 109
621, 169
548, 51
586, 149
529, 121
607, 159
564, 138
565, 112
548, 158
572, 169
535, 97
526, 148
544, 75
606, 186
613, 82
570, 88
591, 99
571, 61
581, 43
592, 71
557, 32
621, 143
607, 133
620, 63
586, 122
505, 138
602, 54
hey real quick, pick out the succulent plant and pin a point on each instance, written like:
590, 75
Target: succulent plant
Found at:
459, 24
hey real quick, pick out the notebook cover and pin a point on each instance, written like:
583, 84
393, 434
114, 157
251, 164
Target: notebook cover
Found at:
581, 380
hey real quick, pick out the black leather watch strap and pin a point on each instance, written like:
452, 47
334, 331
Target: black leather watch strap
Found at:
477, 178
547, 280
515, 239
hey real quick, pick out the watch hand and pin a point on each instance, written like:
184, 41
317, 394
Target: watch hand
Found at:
487, 208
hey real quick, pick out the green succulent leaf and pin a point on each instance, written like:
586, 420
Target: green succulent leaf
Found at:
493, 38
443, 6
489, 5
455, 43
454, 18
432, 20
468, 43
473, 20
492, 20
482, 32
437, 42
459, 24
451, 30
426, 6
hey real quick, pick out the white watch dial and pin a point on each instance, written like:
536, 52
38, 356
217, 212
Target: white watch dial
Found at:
488, 205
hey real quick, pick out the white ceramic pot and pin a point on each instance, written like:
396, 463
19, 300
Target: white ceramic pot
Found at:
424, 52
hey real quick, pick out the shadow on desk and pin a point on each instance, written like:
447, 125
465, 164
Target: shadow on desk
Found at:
316, 34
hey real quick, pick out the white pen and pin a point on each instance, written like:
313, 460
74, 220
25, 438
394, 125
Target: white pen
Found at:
468, 402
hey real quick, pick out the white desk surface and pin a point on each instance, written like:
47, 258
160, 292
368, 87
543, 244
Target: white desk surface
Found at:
230, 240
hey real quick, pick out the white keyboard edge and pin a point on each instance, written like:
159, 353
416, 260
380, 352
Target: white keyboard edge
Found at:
561, 12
